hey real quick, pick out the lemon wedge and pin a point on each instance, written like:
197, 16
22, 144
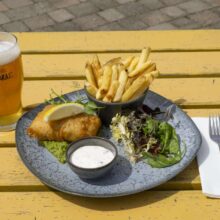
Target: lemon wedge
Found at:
63, 111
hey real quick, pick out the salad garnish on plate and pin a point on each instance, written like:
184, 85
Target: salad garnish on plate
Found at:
146, 138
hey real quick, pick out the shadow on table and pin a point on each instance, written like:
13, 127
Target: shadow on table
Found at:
188, 179
183, 181
118, 203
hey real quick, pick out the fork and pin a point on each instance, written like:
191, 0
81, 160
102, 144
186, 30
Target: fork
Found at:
214, 128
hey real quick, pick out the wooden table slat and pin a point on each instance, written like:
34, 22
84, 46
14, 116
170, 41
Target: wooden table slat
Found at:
15, 176
147, 205
186, 92
71, 66
119, 41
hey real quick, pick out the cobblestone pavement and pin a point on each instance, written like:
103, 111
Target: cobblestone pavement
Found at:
83, 15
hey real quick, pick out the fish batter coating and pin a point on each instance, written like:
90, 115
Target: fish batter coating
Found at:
67, 129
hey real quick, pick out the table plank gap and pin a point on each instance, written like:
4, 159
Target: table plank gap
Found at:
162, 76
51, 52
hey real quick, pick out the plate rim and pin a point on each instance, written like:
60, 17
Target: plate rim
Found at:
107, 195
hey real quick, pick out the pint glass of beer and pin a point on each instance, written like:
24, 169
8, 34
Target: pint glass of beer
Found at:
11, 77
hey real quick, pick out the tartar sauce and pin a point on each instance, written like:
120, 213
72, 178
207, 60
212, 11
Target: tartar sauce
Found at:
91, 156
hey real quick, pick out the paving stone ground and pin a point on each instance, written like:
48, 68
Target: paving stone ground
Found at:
89, 15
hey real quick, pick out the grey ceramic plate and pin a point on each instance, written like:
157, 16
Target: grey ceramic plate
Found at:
125, 178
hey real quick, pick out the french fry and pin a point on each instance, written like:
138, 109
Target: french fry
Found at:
122, 82
114, 73
96, 66
105, 99
134, 88
92, 90
120, 79
99, 95
127, 61
100, 81
144, 56
112, 91
141, 90
89, 75
155, 74
151, 68
96, 73
113, 61
133, 64
149, 78
142, 68
129, 82
96, 61
121, 67
106, 80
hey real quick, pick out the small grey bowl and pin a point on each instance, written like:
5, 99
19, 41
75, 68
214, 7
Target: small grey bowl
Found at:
110, 109
91, 173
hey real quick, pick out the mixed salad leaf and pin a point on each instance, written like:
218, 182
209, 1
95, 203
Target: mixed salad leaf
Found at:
147, 138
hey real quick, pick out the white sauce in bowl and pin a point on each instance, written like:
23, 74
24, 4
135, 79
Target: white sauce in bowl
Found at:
91, 157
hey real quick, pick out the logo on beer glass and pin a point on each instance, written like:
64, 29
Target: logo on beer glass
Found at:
4, 75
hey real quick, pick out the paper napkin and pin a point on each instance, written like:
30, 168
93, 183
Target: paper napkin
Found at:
208, 159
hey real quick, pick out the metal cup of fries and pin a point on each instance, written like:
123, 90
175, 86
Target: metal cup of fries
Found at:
119, 82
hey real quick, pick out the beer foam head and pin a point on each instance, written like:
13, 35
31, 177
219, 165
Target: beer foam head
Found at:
8, 52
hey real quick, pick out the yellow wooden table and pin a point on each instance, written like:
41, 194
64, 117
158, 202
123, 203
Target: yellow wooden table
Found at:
190, 70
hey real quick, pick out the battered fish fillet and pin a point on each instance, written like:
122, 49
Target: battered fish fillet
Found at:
68, 129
